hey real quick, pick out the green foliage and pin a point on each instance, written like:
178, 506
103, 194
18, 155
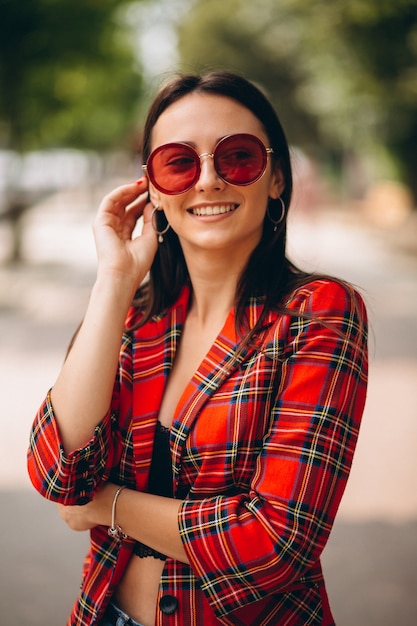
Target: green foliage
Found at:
342, 74
385, 43
239, 36
67, 74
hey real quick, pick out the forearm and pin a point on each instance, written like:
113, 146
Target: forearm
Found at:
82, 393
153, 520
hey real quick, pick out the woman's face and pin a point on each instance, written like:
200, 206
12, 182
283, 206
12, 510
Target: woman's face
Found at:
214, 215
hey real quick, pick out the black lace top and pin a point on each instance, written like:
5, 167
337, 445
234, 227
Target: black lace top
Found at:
160, 480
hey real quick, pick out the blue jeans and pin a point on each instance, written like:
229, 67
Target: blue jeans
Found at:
115, 617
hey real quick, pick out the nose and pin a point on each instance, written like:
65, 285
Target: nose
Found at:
206, 154
208, 178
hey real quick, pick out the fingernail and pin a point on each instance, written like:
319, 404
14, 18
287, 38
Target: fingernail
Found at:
140, 181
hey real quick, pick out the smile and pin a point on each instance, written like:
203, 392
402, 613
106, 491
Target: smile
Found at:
216, 209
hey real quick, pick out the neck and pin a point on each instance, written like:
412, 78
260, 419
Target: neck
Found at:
214, 280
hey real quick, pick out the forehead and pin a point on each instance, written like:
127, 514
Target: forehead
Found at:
204, 118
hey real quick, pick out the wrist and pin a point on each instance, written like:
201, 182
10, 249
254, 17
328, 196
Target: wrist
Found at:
115, 531
116, 283
112, 297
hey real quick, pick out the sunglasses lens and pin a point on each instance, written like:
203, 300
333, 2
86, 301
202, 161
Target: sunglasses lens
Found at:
240, 159
173, 168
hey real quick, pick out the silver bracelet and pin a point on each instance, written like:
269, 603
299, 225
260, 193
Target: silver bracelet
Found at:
115, 531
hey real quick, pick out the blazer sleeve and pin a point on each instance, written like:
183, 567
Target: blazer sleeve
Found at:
73, 478
266, 541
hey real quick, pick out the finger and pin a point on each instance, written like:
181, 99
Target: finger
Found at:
147, 214
122, 208
133, 213
123, 196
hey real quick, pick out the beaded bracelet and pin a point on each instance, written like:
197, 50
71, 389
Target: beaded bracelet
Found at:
115, 531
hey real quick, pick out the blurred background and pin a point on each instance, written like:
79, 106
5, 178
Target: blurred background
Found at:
75, 81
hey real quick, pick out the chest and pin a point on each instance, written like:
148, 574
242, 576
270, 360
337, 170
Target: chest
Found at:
192, 348
219, 424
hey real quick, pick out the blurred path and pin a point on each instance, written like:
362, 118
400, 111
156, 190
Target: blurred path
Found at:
371, 557
342, 244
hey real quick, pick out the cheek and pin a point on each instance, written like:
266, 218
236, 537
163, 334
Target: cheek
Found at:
172, 208
259, 199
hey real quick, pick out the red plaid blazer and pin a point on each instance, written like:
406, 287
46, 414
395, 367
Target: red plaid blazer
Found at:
261, 452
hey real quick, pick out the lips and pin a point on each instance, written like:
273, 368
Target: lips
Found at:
213, 209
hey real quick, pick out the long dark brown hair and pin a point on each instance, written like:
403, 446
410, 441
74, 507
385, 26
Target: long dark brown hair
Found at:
268, 273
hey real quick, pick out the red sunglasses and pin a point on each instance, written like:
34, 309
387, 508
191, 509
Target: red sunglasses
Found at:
239, 159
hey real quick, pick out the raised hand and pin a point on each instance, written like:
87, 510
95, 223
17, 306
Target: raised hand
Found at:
82, 393
114, 224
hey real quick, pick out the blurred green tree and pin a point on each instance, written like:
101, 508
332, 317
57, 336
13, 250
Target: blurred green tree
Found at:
246, 37
383, 37
342, 74
67, 74
68, 77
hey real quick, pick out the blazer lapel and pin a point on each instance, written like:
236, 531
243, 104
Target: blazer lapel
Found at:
154, 350
222, 360
153, 354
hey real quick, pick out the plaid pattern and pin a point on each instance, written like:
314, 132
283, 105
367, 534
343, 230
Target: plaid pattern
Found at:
261, 450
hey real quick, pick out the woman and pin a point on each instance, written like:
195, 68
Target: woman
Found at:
205, 434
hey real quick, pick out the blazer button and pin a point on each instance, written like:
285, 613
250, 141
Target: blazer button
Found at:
168, 604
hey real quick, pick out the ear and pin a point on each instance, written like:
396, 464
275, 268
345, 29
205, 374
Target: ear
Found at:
276, 184
154, 195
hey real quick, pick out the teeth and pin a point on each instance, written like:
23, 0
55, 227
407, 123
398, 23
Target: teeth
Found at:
214, 210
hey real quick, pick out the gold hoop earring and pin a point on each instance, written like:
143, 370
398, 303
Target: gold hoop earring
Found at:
160, 233
281, 217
